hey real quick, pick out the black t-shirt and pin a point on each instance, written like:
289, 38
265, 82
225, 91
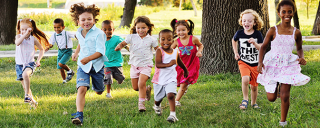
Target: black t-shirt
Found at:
248, 53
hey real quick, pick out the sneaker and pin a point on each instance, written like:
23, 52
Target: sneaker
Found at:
178, 104
64, 81
70, 75
283, 123
157, 109
78, 118
142, 108
172, 119
27, 99
148, 92
109, 96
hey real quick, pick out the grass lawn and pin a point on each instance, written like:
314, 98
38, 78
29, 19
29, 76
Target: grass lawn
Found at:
211, 102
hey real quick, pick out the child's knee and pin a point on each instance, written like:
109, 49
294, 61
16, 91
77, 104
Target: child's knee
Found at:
171, 96
61, 64
245, 80
99, 93
254, 88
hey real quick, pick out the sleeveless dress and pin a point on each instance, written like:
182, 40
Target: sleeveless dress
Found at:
281, 65
24, 53
163, 76
188, 56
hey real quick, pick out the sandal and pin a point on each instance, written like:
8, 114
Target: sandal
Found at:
27, 99
242, 104
255, 106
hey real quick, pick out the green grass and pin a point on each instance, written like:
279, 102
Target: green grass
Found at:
40, 4
311, 43
211, 102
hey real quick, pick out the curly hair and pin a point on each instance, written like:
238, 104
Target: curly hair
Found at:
142, 19
79, 8
257, 19
286, 2
174, 23
42, 38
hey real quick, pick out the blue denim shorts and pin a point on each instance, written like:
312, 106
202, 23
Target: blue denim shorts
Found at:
20, 69
83, 79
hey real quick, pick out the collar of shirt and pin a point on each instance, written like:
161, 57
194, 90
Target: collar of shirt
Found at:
61, 33
140, 36
91, 29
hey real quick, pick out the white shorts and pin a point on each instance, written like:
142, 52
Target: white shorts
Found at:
161, 91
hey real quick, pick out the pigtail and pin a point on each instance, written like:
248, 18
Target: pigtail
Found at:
191, 27
42, 38
173, 26
18, 27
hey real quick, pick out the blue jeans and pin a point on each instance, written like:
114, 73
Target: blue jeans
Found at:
83, 79
20, 69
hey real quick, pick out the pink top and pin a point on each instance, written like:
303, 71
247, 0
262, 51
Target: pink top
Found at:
25, 52
188, 56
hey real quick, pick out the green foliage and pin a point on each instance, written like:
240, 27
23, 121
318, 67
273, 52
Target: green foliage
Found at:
153, 3
187, 6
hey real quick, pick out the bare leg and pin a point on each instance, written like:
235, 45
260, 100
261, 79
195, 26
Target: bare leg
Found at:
26, 81
157, 102
65, 67
254, 94
63, 74
108, 88
134, 82
182, 89
285, 101
245, 89
142, 85
80, 101
171, 102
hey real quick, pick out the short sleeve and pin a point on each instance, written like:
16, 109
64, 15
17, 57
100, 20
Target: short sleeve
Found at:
100, 43
128, 39
154, 42
70, 35
236, 36
260, 37
52, 40
120, 39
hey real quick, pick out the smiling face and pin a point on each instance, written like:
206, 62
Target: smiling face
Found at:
107, 29
286, 13
24, 27
86, 21
58, 28
182, 31
166, 40
142, 29
248, 22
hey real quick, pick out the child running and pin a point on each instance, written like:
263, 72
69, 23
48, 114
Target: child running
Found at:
141, 43
90, 50
28, 38
113, 67
165, 76
189, 53
279, 64
64, 43
249, 40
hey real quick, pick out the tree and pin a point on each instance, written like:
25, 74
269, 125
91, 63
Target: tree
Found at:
194, 7
296, 18
316, 25
128, 13
219, 24
276, 2
8, 21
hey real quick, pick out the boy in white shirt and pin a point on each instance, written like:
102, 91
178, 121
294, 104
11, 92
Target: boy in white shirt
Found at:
64, 43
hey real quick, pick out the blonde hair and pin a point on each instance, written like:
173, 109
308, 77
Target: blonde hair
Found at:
257, 18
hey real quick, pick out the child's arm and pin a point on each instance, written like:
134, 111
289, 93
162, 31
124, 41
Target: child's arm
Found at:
155, 48
36, 42
299, 41
256, 45
92, 57
235, 49
175, 44
269, 37
19, 38
75, 55
181, 64
197, 42
159, 63
120, 46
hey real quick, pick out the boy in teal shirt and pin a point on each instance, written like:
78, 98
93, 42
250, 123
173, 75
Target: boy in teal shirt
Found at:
113, 67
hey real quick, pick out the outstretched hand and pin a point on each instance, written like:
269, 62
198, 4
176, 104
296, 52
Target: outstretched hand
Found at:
302, 61
259, 68
74, 57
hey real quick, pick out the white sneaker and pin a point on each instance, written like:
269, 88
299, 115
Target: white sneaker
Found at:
283, 123
157, 109
64, 81
178, 104
172, 119
109, 96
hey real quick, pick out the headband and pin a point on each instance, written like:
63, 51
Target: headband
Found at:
184, 20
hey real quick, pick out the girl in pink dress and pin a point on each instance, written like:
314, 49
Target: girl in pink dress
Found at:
279, 65
189, 54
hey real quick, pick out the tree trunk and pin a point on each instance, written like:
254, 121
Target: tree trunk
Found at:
276, 2
219, 24
8, 21
128, 13
316, 25
296, 18
194, 8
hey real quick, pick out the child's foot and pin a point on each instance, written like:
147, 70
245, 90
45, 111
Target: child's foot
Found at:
255, 106
33, 104
243, 105
78, 118
142, 108
64, 81
157, 109
172, 119
148, 92
27, 98
178, 104
109, 95
70, 75
283, 123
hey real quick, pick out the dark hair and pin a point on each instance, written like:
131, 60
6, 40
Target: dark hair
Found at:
174, 23
286, 2
79, 8
42, 38
165, 31
142, 19
106, 22
59, 21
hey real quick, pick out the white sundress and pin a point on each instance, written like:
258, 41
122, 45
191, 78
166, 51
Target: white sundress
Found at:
281, 65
